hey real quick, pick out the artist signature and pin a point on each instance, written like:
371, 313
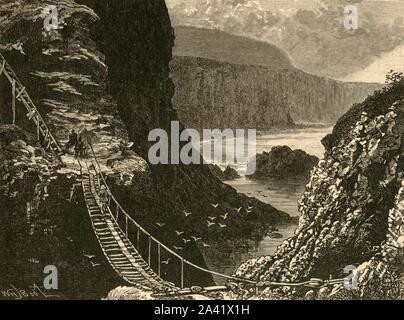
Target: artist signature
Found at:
33, 292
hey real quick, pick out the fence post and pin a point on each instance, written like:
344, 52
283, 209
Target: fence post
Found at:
149, 259
117, 213
182, 273
159, 257
38, 129
126, 225
138, 239
13, 100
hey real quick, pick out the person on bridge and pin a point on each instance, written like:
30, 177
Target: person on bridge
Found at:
85, 139
73, 137
104, 198
78, 148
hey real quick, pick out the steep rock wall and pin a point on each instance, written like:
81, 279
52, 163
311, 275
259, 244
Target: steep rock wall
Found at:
107, 70
352, 209
211, 94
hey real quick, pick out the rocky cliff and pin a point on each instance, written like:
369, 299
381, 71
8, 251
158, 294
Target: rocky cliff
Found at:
212, 94
352, 210
113, 79
282, 162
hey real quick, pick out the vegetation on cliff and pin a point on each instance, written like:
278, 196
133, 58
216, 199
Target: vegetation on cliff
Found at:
351, 211
113, 79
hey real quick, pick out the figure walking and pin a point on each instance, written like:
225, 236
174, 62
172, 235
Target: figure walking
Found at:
104, 198
73, 137
83, 144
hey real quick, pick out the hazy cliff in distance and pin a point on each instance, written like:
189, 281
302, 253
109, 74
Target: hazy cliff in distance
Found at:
213, 94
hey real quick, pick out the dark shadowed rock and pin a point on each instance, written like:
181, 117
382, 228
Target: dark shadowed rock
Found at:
114, 79
225, 175
351, 210
283, 162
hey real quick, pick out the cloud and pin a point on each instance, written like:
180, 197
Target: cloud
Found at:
311, 31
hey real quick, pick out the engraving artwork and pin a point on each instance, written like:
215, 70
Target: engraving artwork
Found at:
226, 150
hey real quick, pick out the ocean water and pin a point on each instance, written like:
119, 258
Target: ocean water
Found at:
282, 194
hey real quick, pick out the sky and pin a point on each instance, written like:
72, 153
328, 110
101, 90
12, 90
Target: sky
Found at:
371, 54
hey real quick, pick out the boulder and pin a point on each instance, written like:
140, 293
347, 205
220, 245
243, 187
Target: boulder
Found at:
283, 162
225, 175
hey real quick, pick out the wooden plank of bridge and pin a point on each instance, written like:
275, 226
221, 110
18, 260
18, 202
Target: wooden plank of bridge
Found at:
119, 251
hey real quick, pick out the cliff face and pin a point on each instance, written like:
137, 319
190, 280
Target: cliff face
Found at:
352, 209
44, 222
211, 94
226, 47
139, 80
113, 79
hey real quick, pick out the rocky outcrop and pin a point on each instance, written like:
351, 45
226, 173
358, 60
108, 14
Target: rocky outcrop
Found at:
114, 80
283, 162
139, 80
211, 94
42, 224
351, 211
225, 175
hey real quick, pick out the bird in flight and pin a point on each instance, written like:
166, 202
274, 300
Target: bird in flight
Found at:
89, 256
224, 217
160, 224
239, 209
250, 208
178, 248
210, 224
205, 244
214, 205
94, 264
196, 239
186, 241
166, 261
187, 214
248, 211
212, 218
222, 225
179, 233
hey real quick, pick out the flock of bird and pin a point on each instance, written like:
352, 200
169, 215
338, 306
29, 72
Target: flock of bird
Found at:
90, 258
219, 221
211, 221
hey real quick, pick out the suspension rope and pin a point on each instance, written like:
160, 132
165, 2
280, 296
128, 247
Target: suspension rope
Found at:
49, 139
145, 232
312, 283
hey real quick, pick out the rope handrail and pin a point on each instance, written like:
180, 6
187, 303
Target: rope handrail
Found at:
24, 97
153, 238
312, 283
26, 100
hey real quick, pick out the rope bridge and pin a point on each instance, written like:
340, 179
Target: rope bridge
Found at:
113, 226
111, 208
